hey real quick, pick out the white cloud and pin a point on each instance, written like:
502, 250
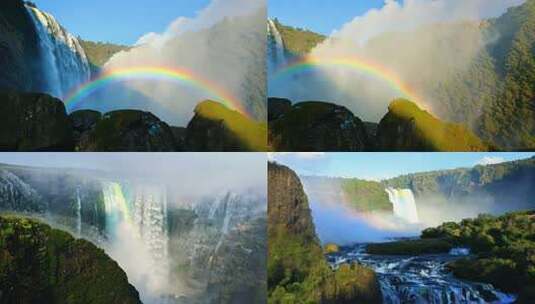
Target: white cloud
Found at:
491, 160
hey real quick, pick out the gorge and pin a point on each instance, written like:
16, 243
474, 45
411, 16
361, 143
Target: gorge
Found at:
446, 236
172, 250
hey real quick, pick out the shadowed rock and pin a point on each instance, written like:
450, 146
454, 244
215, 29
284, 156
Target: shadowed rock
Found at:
318, 126
33, 122
130, 130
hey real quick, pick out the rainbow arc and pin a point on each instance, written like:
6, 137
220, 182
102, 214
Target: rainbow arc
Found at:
180, 76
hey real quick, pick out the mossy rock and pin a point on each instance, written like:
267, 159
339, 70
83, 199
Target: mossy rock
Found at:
39, 264
218, 128
406, 127
330, 248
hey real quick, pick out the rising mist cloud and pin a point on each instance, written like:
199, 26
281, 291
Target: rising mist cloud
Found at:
224, 44
424, 43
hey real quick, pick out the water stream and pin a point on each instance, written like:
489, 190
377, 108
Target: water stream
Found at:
421, 279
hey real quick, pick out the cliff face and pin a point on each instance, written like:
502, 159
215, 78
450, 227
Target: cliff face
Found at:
509, 183
18, 48
288, 209
297, 270
39, 264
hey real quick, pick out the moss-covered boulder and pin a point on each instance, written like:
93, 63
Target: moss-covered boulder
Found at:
129, 130
406, 127
39, 264
330, 248
297, 269
318, 126
218, 128
33, 122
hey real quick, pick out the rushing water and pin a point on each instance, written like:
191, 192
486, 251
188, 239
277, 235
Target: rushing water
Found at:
421, 279
63, 60
404, 204
136, 222
78, 212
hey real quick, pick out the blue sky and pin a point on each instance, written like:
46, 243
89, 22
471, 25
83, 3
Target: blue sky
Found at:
118, 21
322, 16
376, 166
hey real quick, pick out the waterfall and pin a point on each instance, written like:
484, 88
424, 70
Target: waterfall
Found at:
136, 219
276, 50
63, 60
78, 212
404, 204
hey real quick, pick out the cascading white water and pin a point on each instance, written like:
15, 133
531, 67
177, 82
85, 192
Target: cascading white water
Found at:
138, 221
276, 51
404, 204
64, 62
150, 220
78, 212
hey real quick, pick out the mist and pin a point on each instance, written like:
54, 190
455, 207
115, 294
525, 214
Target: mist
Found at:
424, 43
224, 44
338, 222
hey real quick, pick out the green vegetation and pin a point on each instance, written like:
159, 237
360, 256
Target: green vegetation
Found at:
296, 40
98, 53
39, 264
421, 131
504, 248
365, 196
410, 247
508, 118
298, 273
251, 133
507, 182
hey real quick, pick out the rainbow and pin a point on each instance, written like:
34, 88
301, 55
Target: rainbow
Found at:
364, 66
181, 76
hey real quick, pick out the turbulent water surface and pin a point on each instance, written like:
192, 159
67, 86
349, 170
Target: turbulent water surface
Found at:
421, 279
